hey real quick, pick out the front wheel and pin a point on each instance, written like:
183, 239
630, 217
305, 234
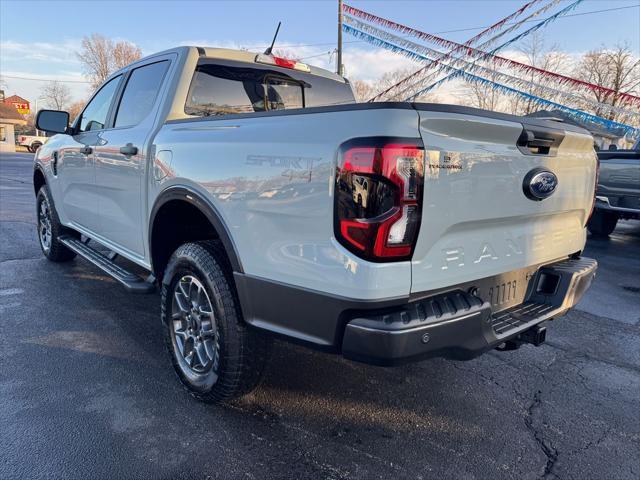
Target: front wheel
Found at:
602, 223
214, 354
50, 228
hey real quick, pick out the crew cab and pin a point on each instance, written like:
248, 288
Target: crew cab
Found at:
618, 190
263, 201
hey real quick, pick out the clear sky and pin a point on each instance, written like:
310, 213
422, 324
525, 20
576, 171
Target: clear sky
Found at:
39, 39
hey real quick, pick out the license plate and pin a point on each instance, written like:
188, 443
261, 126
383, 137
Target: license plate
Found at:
505, 294
505, 291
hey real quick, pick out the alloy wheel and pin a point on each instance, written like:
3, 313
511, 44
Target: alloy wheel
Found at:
194, 330
44, 225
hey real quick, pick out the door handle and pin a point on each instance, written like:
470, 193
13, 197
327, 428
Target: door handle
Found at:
129, 149
86, 150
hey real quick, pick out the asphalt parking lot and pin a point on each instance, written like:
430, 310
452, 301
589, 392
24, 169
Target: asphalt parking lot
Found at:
87, 391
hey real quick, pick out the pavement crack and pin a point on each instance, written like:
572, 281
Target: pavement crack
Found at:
586, 356
19, 259
549, 451
597, 441
490, 379
14, 180
20, 221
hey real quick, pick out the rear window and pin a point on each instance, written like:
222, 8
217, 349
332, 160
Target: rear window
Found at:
226, 87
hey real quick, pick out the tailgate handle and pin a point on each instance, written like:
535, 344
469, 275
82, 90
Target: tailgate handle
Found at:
539, 141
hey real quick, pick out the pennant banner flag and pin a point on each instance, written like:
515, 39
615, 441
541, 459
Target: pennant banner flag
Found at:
517, 25
453, 45
499, 24
481, 55
520, 36
472, 67
483, 81
472, 40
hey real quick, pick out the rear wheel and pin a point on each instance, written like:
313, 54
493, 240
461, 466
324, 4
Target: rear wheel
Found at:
50, 228
214, 354
35, 146
602, 223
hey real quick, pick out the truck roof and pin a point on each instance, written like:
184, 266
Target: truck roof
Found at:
230, 54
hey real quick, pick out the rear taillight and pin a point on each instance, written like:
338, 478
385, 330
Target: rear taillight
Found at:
378, 197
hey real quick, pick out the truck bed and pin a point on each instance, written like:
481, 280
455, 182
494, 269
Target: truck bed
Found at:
271, 178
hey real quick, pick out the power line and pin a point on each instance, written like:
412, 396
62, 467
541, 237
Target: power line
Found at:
44, 79
330, 52
456, 30
535, 20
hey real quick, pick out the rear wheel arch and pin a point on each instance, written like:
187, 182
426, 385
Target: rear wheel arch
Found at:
182, 215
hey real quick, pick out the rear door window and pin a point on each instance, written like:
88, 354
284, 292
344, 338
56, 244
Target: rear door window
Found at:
140, 93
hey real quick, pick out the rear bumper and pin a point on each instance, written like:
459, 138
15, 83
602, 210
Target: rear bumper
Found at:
623, 205
459, 325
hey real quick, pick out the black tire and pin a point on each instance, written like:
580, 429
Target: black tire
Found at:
54, 250
602, 223
240, 353
35, 146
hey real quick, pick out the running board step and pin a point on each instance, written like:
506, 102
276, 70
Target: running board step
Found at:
131, 281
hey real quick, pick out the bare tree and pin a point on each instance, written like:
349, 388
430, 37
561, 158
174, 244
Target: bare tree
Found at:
481, 95
617, 69
75, 108
125, 53
100, 57
96, 58
56, 94
391, 78
363, 90
538, 55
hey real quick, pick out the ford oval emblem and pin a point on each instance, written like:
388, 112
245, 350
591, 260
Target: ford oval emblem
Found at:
539, 184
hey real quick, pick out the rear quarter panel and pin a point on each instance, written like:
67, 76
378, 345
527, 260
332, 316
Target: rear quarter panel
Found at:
271, 179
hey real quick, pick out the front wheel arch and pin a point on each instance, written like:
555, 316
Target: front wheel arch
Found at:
38, 179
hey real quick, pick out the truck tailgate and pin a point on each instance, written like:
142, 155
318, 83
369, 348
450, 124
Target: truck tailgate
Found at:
477, 220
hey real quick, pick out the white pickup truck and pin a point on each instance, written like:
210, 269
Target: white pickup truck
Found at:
31, 142
263, 200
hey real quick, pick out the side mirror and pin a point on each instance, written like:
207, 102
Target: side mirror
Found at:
54, 121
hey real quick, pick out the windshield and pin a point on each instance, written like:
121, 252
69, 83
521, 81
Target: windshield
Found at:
226, 87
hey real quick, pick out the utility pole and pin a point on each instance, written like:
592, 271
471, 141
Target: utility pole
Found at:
339, 68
